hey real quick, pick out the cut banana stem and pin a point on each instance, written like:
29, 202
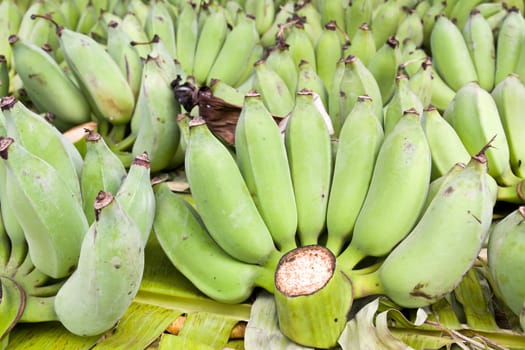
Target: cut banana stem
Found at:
312, 296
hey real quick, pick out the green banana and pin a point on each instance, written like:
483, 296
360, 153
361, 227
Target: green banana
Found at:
508, 96
308, 147
87, 20
10, 21
404, 98
160, 22
263, 11
384, 67
442, 94
209, 43
99, 77
285, 11
410, 27
445, 144
450, 54
273, 89
359, 142
4, 76
429, 19
309, 18
223, 199
48, 87
280, 61
125, 55
263, 162
158, 132
309, 79
5, 245
362, 44
466, 201
421, 82
510, 38
187, 36
226, 92
461, 11
108, 275
235, 52
136, 196
334, 95
475, 117
402, 171
26, 22
186, 242
245, 82
328, 51
496, 19
481, 45
132, 25
39, 137
359, 11
11, 305
49, 213
505, 260
300, 45
357, 80
332, 11
102, 171
385, 21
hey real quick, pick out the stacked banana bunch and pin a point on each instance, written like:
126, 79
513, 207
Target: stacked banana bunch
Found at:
381, 132
73, 228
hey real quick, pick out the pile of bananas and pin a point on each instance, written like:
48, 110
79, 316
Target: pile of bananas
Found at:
367, 141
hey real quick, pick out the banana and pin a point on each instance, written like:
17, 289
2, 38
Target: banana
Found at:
510, 38
508, 96
223, 200
496, 19
410, 27
445, 144
404, 98
450, 54
5, 244
362, 44
504, 259
87, 20
132, 25
385, 21
158, 132
186, 242
48, 87
308, 16
273, 89
481, 45
475, 117
332, 11
10, 21
429, 19
262, 160
467, 203
300, 44
358, 12
421, 82
520, 65
309, 79
99, 77
11, 305
461, 11
308, 147
442, 94
235, 52
359, 142
125, 55
135, 195
245, 82
357, 80
488, 9
384, 66
334, 95
71, 13
280, 61
328, 51
209, 43
49, 213
187, 36
226, 92
26, 22
102, 171
4, 76
285, 12
108, 275
30, 130
402, 171
263, 11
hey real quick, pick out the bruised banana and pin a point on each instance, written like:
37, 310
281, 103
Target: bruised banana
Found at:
308, 147
188, 245
46, 84
46, 208
357, 148
466, 200
263, 162
102, 171
109, 272
223, 199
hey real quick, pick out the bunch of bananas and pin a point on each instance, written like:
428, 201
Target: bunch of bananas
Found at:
73, 228
352, 139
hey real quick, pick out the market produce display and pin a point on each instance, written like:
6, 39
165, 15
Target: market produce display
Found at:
336, 153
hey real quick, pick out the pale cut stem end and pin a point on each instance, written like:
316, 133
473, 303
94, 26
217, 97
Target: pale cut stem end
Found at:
312, 296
